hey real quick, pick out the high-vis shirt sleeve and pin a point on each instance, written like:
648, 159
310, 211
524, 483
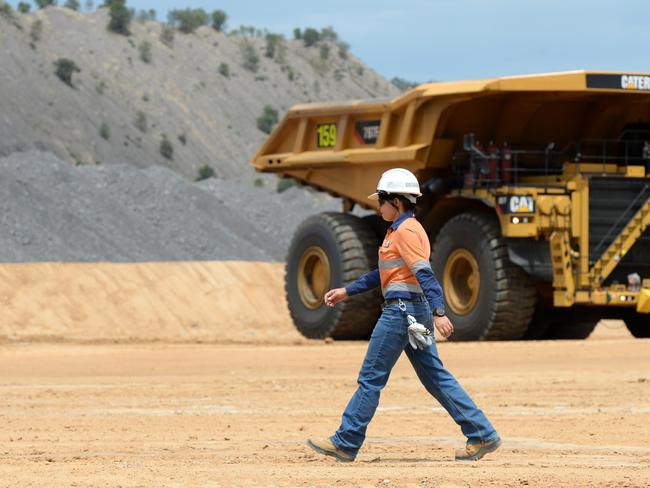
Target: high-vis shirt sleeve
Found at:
431, 288
365, 282
411, 248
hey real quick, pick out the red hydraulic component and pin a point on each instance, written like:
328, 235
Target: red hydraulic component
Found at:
493, 159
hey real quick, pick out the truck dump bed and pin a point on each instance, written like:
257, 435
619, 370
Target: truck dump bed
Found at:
422, 129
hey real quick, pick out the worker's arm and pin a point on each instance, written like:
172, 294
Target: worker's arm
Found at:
365, 282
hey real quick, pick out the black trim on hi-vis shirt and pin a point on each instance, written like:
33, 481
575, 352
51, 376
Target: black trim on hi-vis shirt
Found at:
367, 131
619, 82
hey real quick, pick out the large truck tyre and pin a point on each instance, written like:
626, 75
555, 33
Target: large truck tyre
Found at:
327, 251
486, 296
638, 324
573, 323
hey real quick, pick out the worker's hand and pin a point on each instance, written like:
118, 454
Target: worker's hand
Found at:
335, 296
443, 325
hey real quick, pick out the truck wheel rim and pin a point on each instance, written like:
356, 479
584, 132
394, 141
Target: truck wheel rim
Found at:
462, 279
313, 277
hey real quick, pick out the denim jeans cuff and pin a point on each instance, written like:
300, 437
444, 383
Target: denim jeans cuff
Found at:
491, 438
346, 451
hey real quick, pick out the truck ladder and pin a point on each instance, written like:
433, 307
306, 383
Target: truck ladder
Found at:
623, 242
563, 280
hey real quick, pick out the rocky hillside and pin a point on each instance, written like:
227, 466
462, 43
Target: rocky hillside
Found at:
125, 101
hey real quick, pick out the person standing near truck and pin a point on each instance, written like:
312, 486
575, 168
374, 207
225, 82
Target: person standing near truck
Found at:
413, 297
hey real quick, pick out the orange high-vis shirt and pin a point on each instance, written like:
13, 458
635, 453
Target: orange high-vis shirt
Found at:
404, 270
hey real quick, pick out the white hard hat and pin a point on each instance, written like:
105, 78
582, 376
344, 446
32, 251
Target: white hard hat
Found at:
398, 181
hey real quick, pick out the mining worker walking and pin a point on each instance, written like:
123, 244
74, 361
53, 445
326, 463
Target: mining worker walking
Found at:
413, 300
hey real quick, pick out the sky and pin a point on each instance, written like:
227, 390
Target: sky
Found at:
442, 40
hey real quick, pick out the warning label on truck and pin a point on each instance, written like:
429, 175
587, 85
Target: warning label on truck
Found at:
619, 82
367, 131
326, 135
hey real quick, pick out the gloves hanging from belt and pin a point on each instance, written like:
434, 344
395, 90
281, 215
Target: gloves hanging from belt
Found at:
419, 336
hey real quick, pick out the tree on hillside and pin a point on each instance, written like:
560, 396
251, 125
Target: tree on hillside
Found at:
206, 171
120, 17
272, 42
6, 11
72, 5
251, 60
403, 84
144, 49
65, 68
218, 20
36, 32
167, 35
189, 19
310, 36
166, 148
146, 15
328, 34
267, 120
24, 7
344, 49
45, 3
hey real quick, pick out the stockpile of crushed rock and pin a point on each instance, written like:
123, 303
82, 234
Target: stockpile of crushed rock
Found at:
52, 211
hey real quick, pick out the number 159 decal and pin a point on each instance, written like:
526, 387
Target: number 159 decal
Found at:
326, 135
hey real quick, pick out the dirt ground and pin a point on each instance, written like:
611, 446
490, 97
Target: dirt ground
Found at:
571, 413
192, 375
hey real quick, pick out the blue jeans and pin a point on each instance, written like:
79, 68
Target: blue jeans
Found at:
388, 340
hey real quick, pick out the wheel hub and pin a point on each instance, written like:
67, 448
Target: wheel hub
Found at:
313, 277
462, 281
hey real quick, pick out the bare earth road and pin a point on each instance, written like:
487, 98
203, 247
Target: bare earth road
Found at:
570, 413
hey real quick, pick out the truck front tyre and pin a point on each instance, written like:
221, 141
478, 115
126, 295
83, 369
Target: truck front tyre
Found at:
327, 251
486, 296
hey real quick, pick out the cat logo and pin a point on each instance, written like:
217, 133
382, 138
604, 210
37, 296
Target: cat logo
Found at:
517, 204
618, 81
521, 204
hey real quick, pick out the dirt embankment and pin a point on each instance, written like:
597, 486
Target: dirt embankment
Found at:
229, 301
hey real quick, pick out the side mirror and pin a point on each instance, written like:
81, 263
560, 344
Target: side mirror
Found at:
468, 141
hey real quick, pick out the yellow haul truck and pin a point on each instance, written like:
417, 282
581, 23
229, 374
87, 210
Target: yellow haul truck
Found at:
536, 198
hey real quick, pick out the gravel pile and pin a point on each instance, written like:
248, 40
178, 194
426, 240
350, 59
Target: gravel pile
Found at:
52, 211
277, 215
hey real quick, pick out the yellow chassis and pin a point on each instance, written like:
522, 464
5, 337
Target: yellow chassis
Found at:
561, 217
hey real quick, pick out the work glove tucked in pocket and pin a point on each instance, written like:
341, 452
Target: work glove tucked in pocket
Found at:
419, 336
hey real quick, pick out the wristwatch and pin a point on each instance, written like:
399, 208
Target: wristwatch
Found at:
439, 312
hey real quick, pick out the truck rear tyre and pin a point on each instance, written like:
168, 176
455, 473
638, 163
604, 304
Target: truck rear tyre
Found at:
576, 322
486, 296
574, 326
638, 324
330, 250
